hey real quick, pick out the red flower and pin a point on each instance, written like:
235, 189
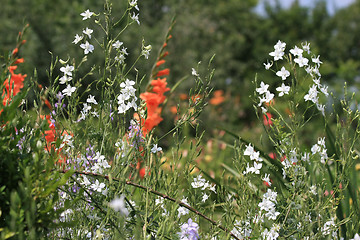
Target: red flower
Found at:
14, 86
267, 119
160, 63
166, 71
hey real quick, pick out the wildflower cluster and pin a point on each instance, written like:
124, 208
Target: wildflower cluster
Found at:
294, 58
255, 156
112, 175
200, 182
15, 82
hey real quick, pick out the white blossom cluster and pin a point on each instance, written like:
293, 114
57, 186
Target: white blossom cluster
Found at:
88, 48
87, 108
303, 62
121, 53
242, 230
183, 210
67, 77
268, 205
127, 98
134, 16
271, 234
160, 202
200, 182
100, 163
320, 148
329, 228
255, 156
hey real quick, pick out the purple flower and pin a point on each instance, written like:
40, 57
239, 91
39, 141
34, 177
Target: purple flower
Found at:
189, 231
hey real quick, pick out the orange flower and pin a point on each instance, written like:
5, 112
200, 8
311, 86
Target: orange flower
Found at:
14, 86
166, 71
152, 101
15, 51
151, 121
217, 98
159, 86
164, 54
20, 60
267, 119
160, 63
183, 96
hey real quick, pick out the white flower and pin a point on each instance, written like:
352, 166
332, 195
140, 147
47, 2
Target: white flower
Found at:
88, 32
312, 94
87, 47
123, 51
198, 182
85, 181
356, 237
91, 99
316, 60
263, 88
296, 51
97, 186
67, 70
306, 47
156, 149
278, 52
283, 73
204, 197
283, 89
133, 3
86, 108
182, 211
321, 142
146, 51
159, 201
328, 227
323, 89
302, 61
280, 45
194, 73
317, 81
268, 65
313, 190
118, 204
117, 44
77, 39
249, 151
120, 58
64, 79
127, 84
135, 17
87, 14
266, 179
68, 90
315, 149
255, 169
267, 98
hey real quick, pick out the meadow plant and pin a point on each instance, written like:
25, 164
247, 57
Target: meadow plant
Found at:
86, 162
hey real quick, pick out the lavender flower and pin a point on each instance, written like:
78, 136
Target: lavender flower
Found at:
189, 230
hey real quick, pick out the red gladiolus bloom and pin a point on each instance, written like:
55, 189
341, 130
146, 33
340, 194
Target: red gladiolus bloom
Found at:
164, 72
267, 119
160, 63
14, 86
